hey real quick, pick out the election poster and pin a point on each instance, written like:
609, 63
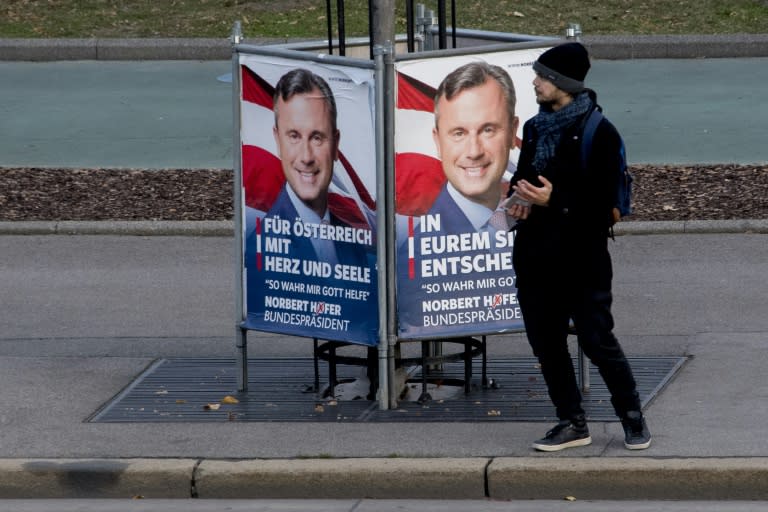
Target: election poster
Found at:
454, 158
308, 187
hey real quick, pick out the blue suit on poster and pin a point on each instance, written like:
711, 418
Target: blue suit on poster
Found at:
304, 286
456, 279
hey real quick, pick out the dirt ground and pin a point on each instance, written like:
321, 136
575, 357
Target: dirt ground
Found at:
702, 192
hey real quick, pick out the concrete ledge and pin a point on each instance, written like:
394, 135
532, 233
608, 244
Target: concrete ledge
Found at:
128, 227
48, 49
120, 49
628, 478
122, 478
677, 46
164, 49
115, 49
692, 226
226, 227
601, 47
447, 478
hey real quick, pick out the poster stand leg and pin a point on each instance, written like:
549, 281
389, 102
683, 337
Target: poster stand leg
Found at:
425, 396
467, 366
582, 362
484, 375
316, 365
241, 355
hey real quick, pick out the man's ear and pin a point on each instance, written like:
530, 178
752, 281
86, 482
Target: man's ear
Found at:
515, 126
336, 142
436, 138
277, 139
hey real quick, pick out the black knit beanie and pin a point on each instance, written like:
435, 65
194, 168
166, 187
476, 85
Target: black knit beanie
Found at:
565, 66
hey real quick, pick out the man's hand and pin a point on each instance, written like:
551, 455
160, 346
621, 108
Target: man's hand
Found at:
536, 195
532, 194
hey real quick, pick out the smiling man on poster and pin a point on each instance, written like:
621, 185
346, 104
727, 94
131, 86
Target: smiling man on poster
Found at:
310, 259
454, 263
475, 127
307, 142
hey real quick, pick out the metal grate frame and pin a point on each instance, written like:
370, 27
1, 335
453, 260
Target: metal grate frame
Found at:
282, 389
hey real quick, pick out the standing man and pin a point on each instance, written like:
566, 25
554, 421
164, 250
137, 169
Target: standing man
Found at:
561, 250
475, 127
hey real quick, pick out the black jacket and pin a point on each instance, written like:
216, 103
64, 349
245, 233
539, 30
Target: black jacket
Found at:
567, 240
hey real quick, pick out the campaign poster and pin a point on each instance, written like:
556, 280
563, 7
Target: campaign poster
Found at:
454, 256
308, 188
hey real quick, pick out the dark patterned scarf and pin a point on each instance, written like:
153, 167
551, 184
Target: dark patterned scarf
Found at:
550, 125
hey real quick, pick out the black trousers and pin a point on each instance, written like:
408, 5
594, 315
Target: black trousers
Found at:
547, 309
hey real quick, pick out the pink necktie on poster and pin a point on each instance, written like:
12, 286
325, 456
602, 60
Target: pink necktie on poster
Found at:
499, 221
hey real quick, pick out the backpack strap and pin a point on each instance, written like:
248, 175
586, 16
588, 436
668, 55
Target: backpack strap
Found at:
588, 134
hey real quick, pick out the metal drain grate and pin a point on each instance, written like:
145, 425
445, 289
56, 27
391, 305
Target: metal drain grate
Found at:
281, 389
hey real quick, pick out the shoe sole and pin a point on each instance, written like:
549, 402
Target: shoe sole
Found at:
641, 446
557, 447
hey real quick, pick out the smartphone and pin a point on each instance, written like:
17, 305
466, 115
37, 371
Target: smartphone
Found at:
513, 200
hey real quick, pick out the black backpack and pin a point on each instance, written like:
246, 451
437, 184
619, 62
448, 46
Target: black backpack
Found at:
623, 200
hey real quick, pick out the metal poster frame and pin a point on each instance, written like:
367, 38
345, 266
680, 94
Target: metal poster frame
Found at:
238, 197
383, 66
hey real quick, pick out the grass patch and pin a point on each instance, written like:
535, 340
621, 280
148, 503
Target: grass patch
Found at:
307, 19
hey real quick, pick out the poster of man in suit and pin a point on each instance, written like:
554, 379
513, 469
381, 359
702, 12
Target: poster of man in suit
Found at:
308, 177
457, 124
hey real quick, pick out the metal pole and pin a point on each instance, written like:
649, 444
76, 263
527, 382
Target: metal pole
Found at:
371, 14
382, 214
241, 335
383, 37
383, 22
330, 26
389, 140
453, 23
410, 25
424, 21
573, 31
342, 32
442, 39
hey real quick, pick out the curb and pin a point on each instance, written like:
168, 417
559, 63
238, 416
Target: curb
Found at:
601, 47
224, 228
629, 478
100, 478
503, 478
128, 227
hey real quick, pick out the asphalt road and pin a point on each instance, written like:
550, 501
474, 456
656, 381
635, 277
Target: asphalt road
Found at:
178, 114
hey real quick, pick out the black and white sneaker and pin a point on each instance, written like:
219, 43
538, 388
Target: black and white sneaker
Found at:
636, 433
565, 434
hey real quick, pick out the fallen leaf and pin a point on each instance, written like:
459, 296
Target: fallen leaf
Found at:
230, 400
211, 407
570, 498
319, 408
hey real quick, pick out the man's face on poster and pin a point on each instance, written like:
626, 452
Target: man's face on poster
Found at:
307, 146
474, 135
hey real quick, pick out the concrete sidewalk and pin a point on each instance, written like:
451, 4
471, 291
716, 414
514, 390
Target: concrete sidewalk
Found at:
83, 315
